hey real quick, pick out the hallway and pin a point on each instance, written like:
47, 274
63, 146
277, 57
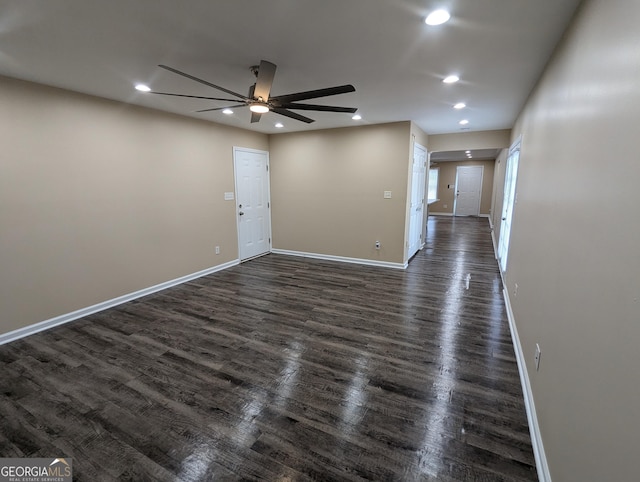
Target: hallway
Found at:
285, 368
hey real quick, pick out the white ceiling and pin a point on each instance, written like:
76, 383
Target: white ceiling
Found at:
396, 62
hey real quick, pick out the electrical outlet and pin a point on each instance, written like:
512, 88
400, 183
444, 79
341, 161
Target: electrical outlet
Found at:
537, 357
217, 249
377, 244
515, 291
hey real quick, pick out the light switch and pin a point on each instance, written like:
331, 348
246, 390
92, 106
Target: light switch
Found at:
387, 194
228, 196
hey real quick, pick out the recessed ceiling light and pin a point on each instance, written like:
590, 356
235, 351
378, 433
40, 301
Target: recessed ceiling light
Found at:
460, 105
437, 17
464, 122
279, 125
467, 152
451, 79
357, 117
227, 111
143, 88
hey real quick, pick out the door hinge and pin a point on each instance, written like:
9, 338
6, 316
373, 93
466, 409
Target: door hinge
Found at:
268, 205
267, 166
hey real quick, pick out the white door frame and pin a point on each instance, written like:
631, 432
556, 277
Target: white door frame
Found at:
420, 205
509, 197
268, 193
455, 197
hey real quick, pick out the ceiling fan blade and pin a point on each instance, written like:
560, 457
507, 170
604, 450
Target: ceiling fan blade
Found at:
293, 115
313, 94
222, 108
323, 108
255, 117
176, 71
266, 73
193, 96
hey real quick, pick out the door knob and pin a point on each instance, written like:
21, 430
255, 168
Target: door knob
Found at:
241, 213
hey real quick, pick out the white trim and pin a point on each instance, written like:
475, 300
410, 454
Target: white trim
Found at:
424, 170
534, 429
342, 259
493, 242
455, 198
488, 216
495, 249
74, 315
542, 466
440, 214
504, 235
236, 149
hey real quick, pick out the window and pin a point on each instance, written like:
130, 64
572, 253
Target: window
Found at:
433, 183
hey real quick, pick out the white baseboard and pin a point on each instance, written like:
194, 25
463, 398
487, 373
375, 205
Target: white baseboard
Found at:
342, 259
542, 466
495, 246
74, 315
485, 216
534, 429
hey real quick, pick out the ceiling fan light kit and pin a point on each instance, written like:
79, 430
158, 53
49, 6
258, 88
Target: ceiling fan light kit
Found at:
259, 108
259, 100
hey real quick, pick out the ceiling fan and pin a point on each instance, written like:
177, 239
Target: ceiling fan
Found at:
259, 100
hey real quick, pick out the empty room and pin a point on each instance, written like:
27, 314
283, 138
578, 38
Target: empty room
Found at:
276, 240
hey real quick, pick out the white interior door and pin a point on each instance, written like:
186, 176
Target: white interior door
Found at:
252, 202
508, 202
418, 179
468, 190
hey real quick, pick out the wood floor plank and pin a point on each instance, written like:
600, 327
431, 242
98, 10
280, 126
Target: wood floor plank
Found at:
285, 369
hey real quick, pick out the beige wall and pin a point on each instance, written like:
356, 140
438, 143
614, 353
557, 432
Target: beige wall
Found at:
100, 199
574, 257
470, 140
327, 191
447, 176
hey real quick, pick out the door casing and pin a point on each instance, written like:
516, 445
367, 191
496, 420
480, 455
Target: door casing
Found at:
477, 188
253, 200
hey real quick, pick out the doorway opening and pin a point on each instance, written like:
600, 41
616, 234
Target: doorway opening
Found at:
468, 190
509, 199
416, 208
251, 169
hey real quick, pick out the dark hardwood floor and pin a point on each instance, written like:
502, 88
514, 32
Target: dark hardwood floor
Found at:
285, 369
